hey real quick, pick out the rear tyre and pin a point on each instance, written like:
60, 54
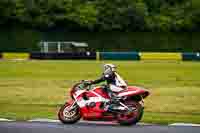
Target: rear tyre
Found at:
68, 116
141, 114
131, 118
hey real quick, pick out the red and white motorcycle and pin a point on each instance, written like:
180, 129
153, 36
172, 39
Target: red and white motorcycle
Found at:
89, 103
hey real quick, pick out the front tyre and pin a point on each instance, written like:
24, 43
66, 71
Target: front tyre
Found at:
67, 115
133, 117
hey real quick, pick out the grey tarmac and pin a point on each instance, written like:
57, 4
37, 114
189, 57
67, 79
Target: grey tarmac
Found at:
84, 127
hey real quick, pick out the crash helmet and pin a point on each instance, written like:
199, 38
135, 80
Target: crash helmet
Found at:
109, 68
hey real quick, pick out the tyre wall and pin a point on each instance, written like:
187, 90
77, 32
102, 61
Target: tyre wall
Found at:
13, 56
103, 56
69, 55
119, 56
191, 56
160, 56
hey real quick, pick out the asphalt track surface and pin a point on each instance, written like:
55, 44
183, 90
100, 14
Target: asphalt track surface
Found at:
47, 127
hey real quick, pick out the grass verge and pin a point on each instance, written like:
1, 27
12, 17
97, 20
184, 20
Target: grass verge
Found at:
36, 89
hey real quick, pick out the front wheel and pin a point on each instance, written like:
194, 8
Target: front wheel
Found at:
67, 115
131, 118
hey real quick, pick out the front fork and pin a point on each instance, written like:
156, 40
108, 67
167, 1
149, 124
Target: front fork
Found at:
73, 105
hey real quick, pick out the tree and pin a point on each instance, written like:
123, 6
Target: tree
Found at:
6, 10
120, 14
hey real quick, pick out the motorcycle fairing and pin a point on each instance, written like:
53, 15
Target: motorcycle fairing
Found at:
96, 95
133, 91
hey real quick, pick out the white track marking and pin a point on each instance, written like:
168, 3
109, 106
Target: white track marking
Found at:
3, 119
185, 124
43, 120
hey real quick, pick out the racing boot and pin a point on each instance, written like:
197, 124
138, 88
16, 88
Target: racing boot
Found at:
114, 98
114, 105
115, 108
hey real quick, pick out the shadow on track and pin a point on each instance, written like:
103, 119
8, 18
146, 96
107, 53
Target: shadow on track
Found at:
100, 124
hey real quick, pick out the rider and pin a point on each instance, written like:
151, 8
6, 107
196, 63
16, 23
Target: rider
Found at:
114, 82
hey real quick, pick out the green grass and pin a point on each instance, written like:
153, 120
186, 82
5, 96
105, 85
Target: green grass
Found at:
36, 89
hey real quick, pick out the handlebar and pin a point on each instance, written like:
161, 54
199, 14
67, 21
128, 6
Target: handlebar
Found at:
83, 84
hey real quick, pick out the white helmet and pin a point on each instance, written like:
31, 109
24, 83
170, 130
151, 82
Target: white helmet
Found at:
109, 68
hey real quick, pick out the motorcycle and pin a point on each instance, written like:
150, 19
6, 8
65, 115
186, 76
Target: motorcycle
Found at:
90, 102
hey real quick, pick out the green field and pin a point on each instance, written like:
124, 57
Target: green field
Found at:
36, 89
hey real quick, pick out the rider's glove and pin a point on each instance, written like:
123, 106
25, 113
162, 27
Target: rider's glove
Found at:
87, 83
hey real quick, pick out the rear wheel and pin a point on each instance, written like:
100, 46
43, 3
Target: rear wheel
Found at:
141, 114
67, 115
130, 118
